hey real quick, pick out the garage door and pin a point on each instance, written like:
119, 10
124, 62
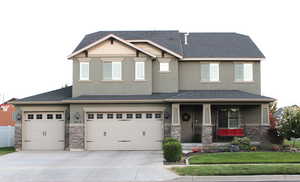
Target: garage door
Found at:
124, 131
43, 131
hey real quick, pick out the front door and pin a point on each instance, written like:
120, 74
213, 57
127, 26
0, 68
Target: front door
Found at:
187, 119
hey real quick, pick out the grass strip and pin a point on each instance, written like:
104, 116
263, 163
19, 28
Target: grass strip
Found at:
237, 169
246, 158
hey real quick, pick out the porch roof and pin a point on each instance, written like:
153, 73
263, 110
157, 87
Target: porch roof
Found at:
64, 96
218, 96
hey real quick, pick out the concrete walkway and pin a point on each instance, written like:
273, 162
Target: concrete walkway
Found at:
84, 166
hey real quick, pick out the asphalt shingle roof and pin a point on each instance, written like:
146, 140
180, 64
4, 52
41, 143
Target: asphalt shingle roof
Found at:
168, 39
219, 45
55, 95
199, 45
65, 94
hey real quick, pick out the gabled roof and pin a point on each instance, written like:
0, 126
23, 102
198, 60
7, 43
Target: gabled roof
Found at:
200, 46
106, 38
219, 45
64, 96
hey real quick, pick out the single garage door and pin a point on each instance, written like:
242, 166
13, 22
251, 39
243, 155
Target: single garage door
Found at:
43, 131
124, 131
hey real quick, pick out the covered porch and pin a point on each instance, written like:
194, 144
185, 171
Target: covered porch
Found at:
216, 117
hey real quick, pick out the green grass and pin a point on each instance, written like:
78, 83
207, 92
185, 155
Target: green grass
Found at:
288, 142
237, 169
245, 157
6, 150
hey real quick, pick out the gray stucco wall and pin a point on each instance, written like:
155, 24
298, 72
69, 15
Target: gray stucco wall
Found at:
128, 85
165, 81
189, 78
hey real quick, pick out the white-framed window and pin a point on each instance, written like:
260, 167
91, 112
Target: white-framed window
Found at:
209, 72
139, 70
84, 71
243, 72
112, 70
229, 118
164, 67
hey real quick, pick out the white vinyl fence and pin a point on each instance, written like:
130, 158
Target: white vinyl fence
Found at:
7, 136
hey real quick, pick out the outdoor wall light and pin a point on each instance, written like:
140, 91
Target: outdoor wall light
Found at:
77, 116
166, 115
19, 116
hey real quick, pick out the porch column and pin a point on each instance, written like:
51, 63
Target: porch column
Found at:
265, 123
207, 134
175, 127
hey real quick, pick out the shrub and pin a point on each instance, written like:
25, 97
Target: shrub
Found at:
289, 126
169, 139
274, 136
253, 148
242, 142
172, 150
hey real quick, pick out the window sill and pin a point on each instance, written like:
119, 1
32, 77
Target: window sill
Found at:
210, 82
112, 80
140, 80
85, 80
243, 82
164, 71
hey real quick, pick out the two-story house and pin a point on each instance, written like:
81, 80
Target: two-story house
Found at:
133, 88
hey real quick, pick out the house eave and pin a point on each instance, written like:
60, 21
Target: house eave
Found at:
222, 59
220, 100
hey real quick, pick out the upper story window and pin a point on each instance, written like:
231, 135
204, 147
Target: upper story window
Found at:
164, 67
209, 72
139, 70
243, 72
84, 71
112, 70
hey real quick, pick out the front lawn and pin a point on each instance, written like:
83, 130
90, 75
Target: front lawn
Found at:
245, 157
237, 169
6, 150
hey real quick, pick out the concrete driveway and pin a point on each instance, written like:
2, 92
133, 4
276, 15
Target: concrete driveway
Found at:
83, 166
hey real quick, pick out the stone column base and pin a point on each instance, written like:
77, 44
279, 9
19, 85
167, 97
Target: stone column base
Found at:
76, 138
18, 137
176, 132
207, 135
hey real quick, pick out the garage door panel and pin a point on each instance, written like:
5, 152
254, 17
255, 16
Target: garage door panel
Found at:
125, 131
44, 131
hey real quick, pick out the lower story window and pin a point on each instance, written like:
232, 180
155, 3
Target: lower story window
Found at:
229, 118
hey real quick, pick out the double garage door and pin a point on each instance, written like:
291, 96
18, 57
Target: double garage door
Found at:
123, 131
43, 131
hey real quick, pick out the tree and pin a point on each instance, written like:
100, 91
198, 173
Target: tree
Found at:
289, 125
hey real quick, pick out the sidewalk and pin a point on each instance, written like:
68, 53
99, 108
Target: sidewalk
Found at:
263, 178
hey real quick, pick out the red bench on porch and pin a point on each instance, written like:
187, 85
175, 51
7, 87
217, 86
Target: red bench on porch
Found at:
231, 132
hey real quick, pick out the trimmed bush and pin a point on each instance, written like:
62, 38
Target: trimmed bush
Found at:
169, 139
172, 150
243, 143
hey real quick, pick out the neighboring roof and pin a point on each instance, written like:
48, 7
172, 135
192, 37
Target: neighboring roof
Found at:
199, 45
219, 45
64, 96
52, 96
